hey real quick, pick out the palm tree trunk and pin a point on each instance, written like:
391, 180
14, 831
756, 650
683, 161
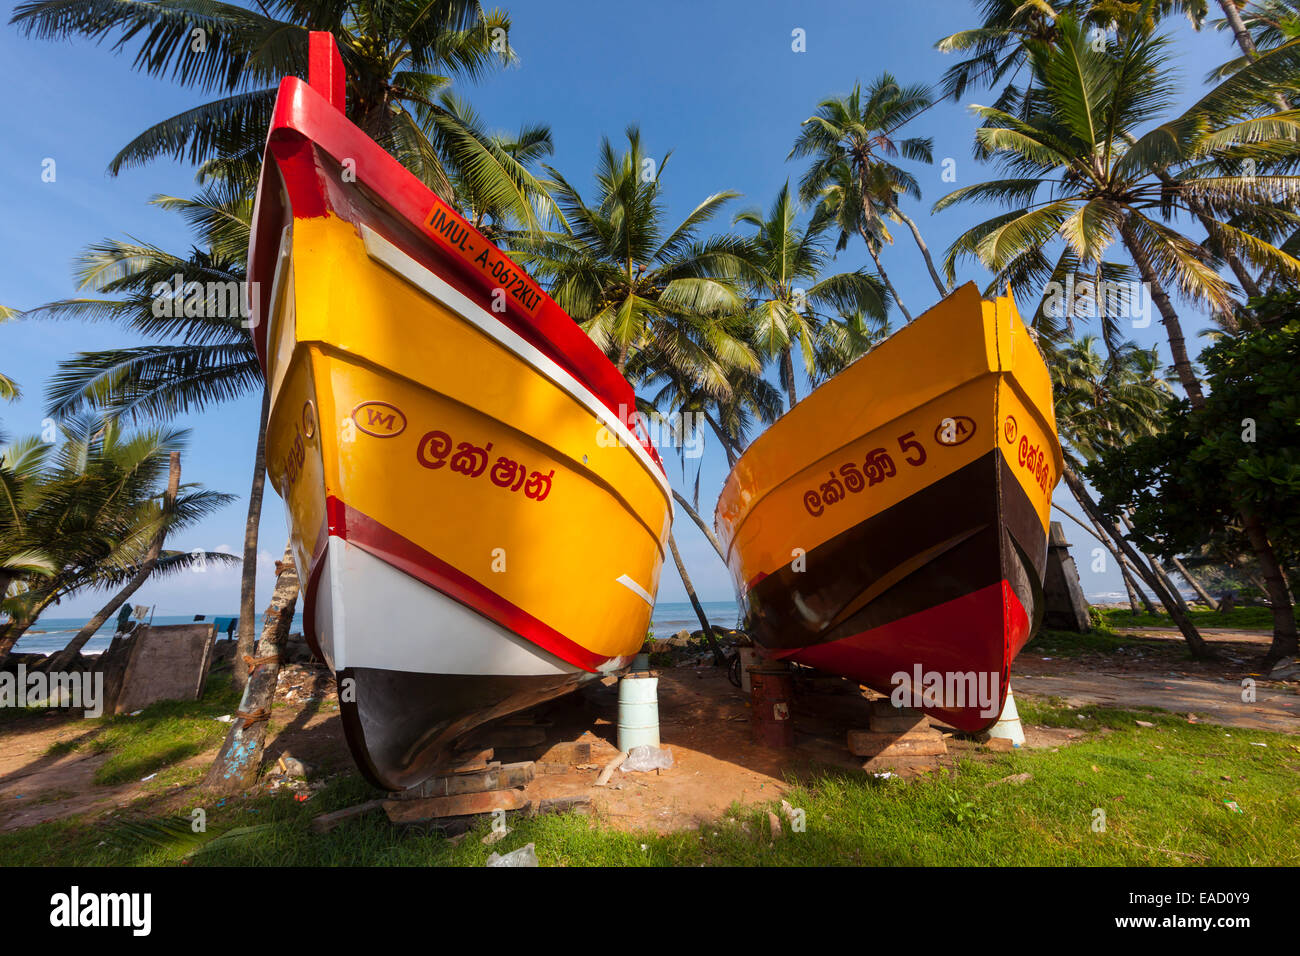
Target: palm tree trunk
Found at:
1158, 569
1195, 643
700, 523
1279, 594
240, 758
718, 657
920, 244
248, 580
1285, 643
787, 373
1233, 16
1203, 594
74, 646
1168, 316
884, 277
733, 454
1129, 585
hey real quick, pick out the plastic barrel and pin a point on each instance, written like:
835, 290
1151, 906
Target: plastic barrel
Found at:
638, 712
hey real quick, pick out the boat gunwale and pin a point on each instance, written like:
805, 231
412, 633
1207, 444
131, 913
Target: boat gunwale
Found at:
298, 117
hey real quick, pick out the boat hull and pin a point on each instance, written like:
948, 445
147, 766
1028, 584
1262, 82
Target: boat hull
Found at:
443, 464
893, 527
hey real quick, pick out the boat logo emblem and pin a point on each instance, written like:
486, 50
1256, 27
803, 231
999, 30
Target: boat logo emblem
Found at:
1010, 430
955, 430
308, 419
380, 419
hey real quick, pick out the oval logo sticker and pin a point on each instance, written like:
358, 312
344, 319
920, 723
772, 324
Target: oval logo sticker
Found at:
955, 430
380, 419
1010, 429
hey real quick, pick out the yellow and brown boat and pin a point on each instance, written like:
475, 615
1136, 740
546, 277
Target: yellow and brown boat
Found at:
892, 527
440, 432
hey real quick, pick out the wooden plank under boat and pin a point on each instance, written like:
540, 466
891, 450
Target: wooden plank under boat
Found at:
895, 521
440, 433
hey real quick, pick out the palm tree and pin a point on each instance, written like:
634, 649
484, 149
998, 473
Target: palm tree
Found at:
1101, 402
780, 260
92, 507
997, 49
1082, 146
22, 555
853, 140
144, 569
400, 55
1082, 139
201, 355
650, 295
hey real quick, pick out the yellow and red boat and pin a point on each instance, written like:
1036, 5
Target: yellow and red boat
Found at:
448, 443
892, 527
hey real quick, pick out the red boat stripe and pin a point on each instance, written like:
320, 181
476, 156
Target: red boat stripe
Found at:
981, 631
386, 544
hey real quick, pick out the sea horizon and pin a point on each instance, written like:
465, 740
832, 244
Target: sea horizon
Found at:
668, 618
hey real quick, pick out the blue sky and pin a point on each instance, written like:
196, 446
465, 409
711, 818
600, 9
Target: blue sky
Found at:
719, 84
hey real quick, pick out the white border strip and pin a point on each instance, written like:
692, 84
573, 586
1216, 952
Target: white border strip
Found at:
383, 251
628, 582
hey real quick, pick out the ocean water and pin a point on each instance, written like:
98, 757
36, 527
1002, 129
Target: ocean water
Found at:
51, 634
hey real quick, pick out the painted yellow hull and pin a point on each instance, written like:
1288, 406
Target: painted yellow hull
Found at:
475, 523
904, 502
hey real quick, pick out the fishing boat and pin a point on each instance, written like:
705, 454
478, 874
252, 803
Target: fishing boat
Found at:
478, 521
892, 527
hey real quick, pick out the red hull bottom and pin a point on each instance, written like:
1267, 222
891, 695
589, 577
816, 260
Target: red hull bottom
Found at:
977, 634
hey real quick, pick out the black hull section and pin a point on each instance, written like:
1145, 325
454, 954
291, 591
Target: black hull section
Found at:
402, 727
965, 532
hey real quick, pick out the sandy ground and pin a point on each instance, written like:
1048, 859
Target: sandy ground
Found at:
704, 721
1211, 691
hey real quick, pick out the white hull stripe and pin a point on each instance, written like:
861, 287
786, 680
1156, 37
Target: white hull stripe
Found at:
636, 589
389, 255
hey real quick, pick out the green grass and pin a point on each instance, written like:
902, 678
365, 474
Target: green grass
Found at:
1161, 788
162, 735
1239, 618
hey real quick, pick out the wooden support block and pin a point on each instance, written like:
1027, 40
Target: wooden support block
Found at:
496, 777
899, 723
865, 743
325, 822
460, 805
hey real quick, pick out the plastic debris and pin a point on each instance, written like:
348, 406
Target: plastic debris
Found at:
645, 758
1232, 805
526, 855
224, 718
150, 777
